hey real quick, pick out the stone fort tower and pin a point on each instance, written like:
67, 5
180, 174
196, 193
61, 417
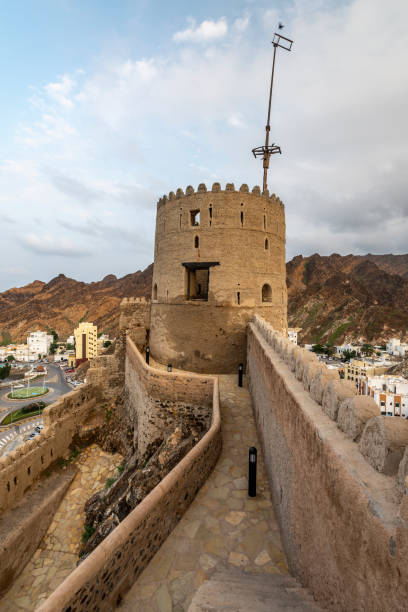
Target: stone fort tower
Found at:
219, 259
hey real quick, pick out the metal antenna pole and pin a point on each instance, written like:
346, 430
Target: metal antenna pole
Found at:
267, 155
266, 151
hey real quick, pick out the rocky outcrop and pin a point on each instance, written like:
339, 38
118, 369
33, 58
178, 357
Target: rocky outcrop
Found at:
107, 508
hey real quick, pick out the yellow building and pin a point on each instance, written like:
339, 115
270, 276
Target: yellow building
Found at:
358, 369
86, 341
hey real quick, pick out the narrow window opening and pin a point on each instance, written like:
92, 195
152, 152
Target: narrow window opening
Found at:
242, 218
29, 470
195, 217
266, 244
266, 293
264, 221
8, 486
196, 242
167, 295
155, 291
15, 480
180, 221
239, 297
52, 453
210, 211
42, 459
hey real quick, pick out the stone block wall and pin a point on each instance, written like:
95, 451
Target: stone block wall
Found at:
332, 465
153, 401
108, 572
63, 419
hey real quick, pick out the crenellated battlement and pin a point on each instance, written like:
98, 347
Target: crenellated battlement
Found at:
216, 188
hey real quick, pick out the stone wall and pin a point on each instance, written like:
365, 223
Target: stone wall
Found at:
64, 419
154, 401
343, 520
23, 527
108, 572
242, 236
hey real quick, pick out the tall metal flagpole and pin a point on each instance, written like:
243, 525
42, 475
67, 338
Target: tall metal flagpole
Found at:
266, 151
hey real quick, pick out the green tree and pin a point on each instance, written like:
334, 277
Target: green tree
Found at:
318, 348
53, 348
69, 347
10, 358
107, 343
5, 371
348, 354
367, 349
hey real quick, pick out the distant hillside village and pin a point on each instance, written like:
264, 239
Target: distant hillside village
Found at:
373, 369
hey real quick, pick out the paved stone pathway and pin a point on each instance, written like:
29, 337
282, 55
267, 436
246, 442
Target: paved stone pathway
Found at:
223, 527
57, 554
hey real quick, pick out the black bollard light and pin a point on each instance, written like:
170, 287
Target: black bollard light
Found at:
252, 472
240, 374
169, 367
147, 354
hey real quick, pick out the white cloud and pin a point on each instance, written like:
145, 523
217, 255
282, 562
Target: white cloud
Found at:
45, 244
240, 24
207, 31
60, 90
236, 120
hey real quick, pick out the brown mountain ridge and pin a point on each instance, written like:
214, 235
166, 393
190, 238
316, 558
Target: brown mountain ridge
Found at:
63, 302
332, 298
353, 297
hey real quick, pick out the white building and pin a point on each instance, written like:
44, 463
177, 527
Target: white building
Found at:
396, 347
71, 340
293, 334
389, 392
39, 342
340, 350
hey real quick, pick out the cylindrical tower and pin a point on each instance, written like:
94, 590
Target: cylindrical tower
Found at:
219, 259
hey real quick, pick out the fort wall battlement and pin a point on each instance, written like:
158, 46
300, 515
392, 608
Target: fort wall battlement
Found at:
337, 476
219, 259
63, 419
110, 570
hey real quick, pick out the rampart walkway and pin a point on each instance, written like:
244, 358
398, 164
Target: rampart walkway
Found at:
222, 528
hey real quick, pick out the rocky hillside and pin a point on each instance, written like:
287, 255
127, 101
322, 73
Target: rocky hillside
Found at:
64, 302
337, 298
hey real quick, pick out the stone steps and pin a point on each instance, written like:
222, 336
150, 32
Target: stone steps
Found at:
237, 591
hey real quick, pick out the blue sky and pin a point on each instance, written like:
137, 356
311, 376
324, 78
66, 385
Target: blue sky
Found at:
105, 106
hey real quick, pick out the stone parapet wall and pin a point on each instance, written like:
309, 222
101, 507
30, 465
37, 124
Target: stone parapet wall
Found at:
62, 421
101, 580
343, 523
153, 402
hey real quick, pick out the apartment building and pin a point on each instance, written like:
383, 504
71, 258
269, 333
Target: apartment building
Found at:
293, 334
396, 347
39, 342
86, 341
389, 392
358, 369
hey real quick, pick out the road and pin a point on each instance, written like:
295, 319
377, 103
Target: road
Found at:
55, 381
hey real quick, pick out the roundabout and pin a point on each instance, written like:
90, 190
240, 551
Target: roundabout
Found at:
28, 393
